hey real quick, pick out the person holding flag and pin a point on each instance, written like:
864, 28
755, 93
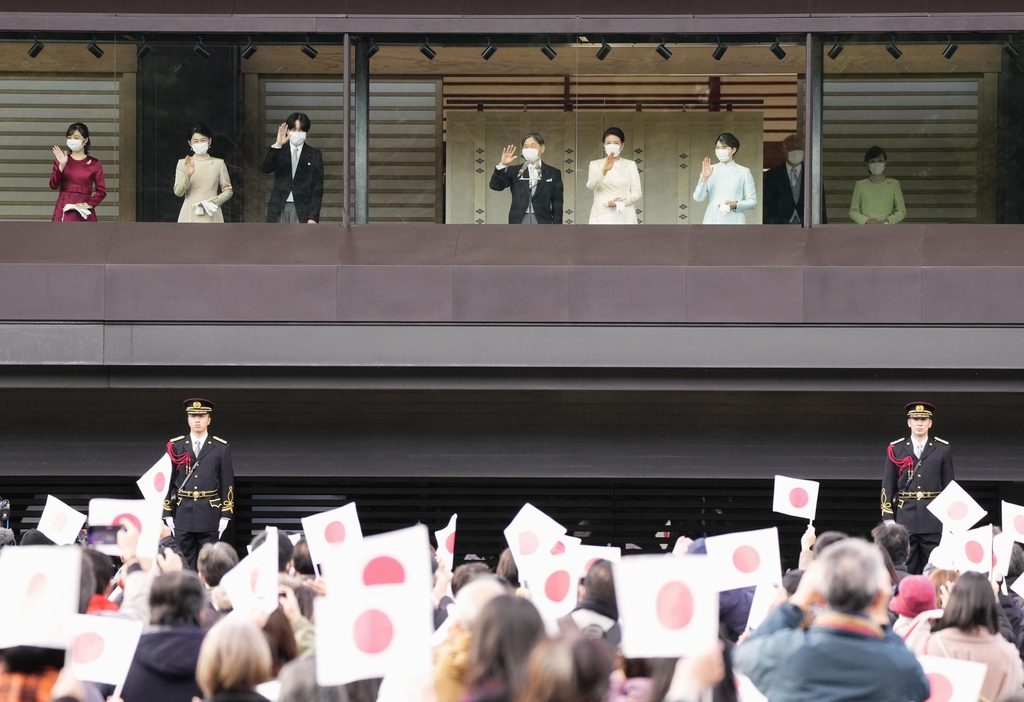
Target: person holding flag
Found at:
200, 496
916, 470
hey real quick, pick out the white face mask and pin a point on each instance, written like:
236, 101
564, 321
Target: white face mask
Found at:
76, 144
613, 149
796, 157
723, 155
200, 148
531, 155
296, 138
876, 168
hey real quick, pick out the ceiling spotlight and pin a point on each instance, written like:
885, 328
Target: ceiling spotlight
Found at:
837, 48
309, 50
426, 50
779, 52
201, 50
605, 49
950, 49
371, 49
489, 51
663, 50
143, 50
95, 49
37, 48
1010, 49
548, 51
249, 50
719, 50
893, 50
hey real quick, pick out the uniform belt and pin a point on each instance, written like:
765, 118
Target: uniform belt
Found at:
198, 494
903, 495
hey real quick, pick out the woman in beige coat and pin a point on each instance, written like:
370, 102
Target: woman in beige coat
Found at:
202, 180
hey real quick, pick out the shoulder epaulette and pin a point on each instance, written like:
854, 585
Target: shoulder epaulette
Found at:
178, 438
220, 439
893, 443
943, 441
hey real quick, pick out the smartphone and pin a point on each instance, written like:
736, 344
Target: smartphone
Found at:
103, 535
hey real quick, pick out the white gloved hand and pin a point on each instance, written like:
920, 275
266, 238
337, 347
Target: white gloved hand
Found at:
169, 521
223, 526
210, 207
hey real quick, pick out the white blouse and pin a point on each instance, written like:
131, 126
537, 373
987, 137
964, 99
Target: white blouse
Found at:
622, 181
728, 181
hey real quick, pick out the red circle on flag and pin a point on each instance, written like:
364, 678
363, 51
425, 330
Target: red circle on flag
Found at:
528, 542
449, 542
159, 482
1018, 523
131, 518
372, 631
88, 647
975, 552
942, 688
558, 548
36, 590
334, 533
383, 570
674, 605
746, 559
60, 521
557, 586
799, 498
957, 510
592, 561
254, 578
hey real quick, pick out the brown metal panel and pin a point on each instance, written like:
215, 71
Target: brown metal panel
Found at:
511, 294
278, 293
854, 245
634, 294
725, 245
51, 292
98, 7
958, 7
862, 294
411, 8
527, 8
976, 245
394, 293
748, 294
163, 292
969, 295
404, 244
55, 242
604, 8
642, 245
869, 7
181, 7
513, 245
752, 7
309, 7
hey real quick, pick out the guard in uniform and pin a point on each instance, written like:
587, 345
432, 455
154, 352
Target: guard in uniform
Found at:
201, 494
916, 470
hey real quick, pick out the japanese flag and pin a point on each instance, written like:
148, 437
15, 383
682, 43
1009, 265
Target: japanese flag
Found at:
957, 510
377, 618
764, 598
253, 582
446, 542
144, 515
746, 558
565, 543
327, 531
952, 679
531, 534
972, 550
1002, 550
1013, 521
39, 588
668, 606
103, 648
60, 523
153, 483
797, 498
552, 580
587, 556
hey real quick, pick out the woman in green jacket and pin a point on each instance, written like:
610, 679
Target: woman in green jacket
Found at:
877, 199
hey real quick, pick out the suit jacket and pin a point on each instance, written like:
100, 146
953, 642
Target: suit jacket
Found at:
307, 186
209, 481
928, 476
778, 197
547, 201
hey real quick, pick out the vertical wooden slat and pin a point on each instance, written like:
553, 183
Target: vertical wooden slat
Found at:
127, 146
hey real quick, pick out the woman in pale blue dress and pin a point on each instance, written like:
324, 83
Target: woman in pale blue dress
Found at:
728, 187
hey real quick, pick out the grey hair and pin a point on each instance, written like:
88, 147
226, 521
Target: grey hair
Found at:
850, 575
475, 595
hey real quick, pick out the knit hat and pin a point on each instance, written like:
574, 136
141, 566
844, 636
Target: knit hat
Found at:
916, 595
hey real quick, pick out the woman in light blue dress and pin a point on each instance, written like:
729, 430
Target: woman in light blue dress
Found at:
728, 187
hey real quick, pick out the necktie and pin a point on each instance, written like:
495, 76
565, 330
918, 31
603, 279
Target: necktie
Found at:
793, 177
917, 450
295, 160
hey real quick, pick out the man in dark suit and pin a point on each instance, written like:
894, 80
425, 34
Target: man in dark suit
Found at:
784, 186
536, 186
916, 470
298, 171
201, 492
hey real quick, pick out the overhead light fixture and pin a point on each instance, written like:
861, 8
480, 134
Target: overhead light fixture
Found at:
1010, 49
426, 50
893, 50
779, 52
719, 50
837, 48
950, 49
489, 51
144, 49
309, 50
371, 49
605, 49
548, 51
36, 49
95, 49
663, 50
201, 50
249, 50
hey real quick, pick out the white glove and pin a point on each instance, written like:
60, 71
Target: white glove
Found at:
723, 209
169, 521
210, 207
223, 526
620, 207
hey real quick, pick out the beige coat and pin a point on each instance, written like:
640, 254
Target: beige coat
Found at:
210, 183
1005, 675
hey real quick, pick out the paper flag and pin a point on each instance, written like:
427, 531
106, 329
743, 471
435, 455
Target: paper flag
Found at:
446, 542
1018, 586
103, 648
143, 514
39, 588
764, 598
957, 510
60, 523
586, 556
378, 617
154, 482
253, 582
952, 679
745, 559
668, 606
553, 582
1013, 521
328, 531
972, 550
295, 538
531, 534
564, 543
1002, 550
797, 498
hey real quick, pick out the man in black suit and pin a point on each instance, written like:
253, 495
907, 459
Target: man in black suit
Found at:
784, 186
298, 174
536, 186
916, 470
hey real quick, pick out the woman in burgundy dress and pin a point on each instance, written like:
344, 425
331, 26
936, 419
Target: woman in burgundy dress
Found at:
75, 174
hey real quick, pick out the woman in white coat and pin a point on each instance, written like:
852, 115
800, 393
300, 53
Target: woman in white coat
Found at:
728, 187
615, 182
